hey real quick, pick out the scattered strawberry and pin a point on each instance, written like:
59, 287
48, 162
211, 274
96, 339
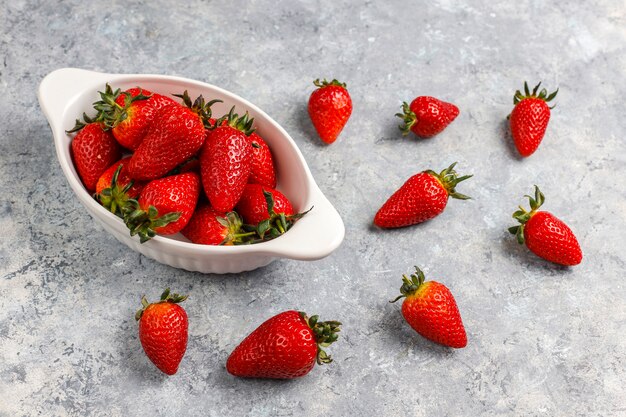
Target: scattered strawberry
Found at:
225, 161
421, 197
115, 187
427, 116
175, 136
163, 331
284, 347
330, 107
529, 118
431, 310
128, 114
93, 150
545, 235
210, 227
164, 206
262, 169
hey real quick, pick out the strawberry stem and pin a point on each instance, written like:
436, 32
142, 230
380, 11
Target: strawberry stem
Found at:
408, 117
325, 83
166, 297
449, 180
543, 94
410, 285
522, 216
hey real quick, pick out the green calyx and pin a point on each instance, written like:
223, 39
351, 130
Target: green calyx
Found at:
81, 123
523, 216
325, 335
276, 225
199, 106
166, 297
232, 119
449, 180
233, 223
408, 117
325, 83
543, 94
114, 197
410, 285
110, 113
143, 223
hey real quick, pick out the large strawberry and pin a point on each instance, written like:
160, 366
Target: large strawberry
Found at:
421, 197
262, 169
163, 331
430, 309
226, 159
115, 187
164, 206
93, 151
210, 227
128, 114
284, 347
330, 107
529, 118
175, 136
545, 235
427, 116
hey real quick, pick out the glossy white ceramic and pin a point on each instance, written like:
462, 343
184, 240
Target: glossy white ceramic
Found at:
66, 93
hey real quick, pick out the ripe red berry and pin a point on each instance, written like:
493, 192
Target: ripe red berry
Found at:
427, 116
330, 107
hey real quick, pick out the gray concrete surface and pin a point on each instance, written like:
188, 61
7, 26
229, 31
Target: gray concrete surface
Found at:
543, 340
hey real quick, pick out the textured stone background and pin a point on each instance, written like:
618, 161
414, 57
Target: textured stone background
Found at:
543, 340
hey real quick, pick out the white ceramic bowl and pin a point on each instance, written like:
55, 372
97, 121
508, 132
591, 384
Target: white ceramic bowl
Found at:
66, 93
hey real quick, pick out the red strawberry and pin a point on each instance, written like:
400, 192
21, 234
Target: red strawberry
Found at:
421, 197
253, 204
330, 107
431, 310
164, 206
529, 118
128, 114
210, 227
427, 116
163, 331
545, 235
284, 347
225, 161
115, 187
262, 170
93, 151
175, 136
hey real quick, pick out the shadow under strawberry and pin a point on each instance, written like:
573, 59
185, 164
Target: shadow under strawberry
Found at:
504, 129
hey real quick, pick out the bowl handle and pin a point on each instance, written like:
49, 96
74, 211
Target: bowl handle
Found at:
59, 88
315, 235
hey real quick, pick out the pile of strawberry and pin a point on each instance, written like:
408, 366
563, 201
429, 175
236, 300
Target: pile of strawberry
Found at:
166, 167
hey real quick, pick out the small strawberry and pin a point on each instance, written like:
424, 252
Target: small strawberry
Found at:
128, 114
266, 211
210, 227
115, 187
430, 309
421, 197
284, 347
330, 107
262, 169
427, 116
529, 118
93, 151
226, 159
545, 235
175, 136
164, 206
163, 331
